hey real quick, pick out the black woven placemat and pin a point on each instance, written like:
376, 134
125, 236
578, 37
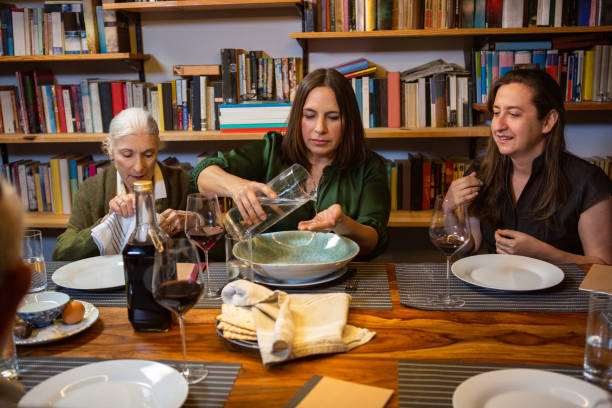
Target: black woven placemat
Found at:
211, 392
425, 384
417, 282
372, 288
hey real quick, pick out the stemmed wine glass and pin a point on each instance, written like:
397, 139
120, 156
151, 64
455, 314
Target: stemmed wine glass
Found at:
177, 285
449, 231
204, 226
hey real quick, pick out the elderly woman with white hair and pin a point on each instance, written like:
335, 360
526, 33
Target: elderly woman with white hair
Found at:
132, 145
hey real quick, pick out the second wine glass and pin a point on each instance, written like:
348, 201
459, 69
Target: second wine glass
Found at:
449, 231
204, 226
178, 285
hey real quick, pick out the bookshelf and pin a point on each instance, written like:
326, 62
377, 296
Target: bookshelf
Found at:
400, 218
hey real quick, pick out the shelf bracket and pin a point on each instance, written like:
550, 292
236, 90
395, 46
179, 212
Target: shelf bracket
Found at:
4, 153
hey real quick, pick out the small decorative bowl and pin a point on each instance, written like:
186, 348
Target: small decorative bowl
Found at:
41, 308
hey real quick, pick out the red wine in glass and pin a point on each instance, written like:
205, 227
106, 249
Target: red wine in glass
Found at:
204, 225
206, 237
179, 295
449, 244
449, 231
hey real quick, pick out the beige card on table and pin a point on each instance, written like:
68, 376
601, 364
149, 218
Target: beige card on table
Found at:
599, 279
325, 392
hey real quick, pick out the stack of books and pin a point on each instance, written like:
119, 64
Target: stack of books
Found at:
355, 69
254, 117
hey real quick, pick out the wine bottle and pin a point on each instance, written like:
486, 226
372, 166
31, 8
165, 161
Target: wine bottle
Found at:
147, 240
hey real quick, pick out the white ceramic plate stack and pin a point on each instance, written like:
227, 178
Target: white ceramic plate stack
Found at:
514, 388
113, 383
507, 272
97, 273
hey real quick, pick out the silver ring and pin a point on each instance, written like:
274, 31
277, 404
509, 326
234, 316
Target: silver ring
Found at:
119, 202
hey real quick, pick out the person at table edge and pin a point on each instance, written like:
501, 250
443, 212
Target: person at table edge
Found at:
132, 145
326, 136
528, 195
15, 278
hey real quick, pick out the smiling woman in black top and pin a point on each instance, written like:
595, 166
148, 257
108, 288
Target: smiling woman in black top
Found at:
528, 195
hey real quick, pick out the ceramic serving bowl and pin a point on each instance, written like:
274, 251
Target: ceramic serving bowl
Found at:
298, 256
41, 308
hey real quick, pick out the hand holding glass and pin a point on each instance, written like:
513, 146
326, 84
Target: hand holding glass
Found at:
204, 226
177, 285
449, 231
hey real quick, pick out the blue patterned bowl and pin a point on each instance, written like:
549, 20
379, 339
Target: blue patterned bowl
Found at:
41, 308
298, 256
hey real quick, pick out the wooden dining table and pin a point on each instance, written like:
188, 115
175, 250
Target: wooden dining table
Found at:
402, 333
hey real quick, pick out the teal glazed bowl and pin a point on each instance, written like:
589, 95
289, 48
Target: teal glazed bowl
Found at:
298, 256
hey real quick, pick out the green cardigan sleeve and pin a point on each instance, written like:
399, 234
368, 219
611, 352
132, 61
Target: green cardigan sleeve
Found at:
258, 161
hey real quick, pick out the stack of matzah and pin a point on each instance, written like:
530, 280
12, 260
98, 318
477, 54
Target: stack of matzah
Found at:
237, 323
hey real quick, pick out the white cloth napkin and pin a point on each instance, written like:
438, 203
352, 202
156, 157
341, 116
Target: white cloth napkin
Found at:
293, 326
112, 234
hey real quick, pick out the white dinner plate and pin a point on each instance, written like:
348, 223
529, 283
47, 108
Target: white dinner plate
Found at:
97, 273
528, 388
58, 330
507, 272
263, 280
112, 383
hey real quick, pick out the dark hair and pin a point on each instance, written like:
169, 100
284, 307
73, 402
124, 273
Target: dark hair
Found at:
546, 96
352, 150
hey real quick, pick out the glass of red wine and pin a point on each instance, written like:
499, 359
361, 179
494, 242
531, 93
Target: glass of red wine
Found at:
177, 285
204, 226
449, 231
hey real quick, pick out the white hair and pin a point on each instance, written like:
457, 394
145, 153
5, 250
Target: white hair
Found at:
11, 233
128, 122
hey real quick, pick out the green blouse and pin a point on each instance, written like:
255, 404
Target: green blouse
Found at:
91, 205
363, 192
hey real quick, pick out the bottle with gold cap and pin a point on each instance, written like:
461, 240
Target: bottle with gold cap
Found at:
147, 240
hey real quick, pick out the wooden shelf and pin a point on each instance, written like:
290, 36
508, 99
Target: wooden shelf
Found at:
398, 218
76, 57
404, 218
46, 220
449, 32
191, 5
214, 135
569, 106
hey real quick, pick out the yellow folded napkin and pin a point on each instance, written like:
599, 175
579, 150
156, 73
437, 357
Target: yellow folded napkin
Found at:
293, 326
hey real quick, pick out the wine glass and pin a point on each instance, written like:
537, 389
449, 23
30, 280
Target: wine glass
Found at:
177, 285
204, 226
449, 231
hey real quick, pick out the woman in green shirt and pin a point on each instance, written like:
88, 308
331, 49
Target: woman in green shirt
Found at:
325, 135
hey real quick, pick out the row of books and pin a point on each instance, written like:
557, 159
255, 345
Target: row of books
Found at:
38, 105
51, 187
370, 15
254, 75
67, 27
415, 182
584, 75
